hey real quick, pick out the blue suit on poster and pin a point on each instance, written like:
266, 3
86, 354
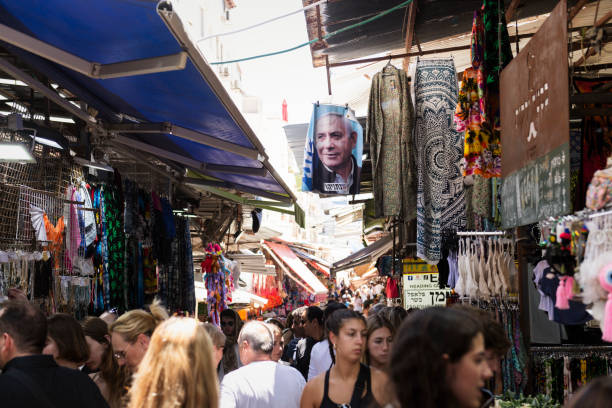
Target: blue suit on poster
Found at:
332, 156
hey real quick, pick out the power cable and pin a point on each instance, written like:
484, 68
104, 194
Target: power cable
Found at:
263, 22
325, 37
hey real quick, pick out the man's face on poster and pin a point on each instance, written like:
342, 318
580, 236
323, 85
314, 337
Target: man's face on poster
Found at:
334, 141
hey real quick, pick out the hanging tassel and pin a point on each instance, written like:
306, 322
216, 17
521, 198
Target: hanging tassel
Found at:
562, 301
605, 280
569, 287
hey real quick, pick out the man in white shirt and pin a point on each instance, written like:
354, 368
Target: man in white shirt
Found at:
320, 357
378, 289
260, 383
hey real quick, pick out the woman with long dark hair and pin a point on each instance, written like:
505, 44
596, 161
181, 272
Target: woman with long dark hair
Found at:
439, 360
108, 376
378, 341
347, 382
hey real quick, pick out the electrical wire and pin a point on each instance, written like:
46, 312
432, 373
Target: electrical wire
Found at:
325, 37
263, 22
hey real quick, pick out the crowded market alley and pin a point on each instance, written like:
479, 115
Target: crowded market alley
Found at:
306, 203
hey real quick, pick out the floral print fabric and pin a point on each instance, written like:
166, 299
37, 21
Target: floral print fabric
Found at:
482, 146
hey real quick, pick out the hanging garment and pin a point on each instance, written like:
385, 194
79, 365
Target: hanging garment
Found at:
471, 285
439, 148
461, 270
38, 223
389, 131
497, 54
115, 242
73, 229
482, 151
89, 217
55, 235
391, 290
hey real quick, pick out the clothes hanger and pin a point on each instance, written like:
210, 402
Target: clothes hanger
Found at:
390, 67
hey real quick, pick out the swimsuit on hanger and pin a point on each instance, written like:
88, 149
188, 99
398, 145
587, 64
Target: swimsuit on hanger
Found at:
471, 286
461, 274
483, 287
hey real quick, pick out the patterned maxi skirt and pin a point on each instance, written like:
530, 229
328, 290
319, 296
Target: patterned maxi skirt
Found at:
439, 149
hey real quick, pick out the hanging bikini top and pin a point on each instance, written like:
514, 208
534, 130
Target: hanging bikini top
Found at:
460, 283
483, 287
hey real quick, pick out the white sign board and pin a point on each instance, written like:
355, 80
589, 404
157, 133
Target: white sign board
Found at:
421, 290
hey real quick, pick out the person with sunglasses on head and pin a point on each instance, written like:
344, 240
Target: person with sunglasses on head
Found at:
231, 325
348, 383
131, 334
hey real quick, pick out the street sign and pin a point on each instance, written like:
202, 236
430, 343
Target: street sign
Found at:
420, 285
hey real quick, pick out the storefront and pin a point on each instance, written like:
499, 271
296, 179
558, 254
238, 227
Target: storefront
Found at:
116, 153
487, 179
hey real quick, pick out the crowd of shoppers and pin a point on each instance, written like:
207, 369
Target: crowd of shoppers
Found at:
334, 357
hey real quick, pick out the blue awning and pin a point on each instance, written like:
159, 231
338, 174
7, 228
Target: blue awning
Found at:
190, 99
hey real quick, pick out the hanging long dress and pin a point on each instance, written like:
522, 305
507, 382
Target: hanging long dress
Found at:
439, 149
389, 128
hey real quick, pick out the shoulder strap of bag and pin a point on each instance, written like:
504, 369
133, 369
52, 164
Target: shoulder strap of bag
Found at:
31, 386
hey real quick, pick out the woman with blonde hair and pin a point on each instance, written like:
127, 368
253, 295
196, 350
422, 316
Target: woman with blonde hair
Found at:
177, 369
131, 334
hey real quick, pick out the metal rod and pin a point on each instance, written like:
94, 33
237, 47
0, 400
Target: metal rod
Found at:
600, 214
414, 54
43, 89
88, 209
329, 91
574, 347
480, 233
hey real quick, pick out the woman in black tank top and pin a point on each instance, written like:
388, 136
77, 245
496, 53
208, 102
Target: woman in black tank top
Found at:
348, 383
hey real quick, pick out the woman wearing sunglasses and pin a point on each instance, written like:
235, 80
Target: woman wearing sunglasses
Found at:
131, 334
348, 383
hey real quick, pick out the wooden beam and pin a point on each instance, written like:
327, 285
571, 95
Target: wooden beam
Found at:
511, 10
412, 10
576, 9
328, 74
413, 54
604, 19
592, 51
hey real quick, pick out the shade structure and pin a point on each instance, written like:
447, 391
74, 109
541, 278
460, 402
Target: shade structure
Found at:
301, 271
135, 63
364, 255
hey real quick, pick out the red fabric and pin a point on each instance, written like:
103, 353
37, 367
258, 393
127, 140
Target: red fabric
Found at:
285, 113
392, 290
